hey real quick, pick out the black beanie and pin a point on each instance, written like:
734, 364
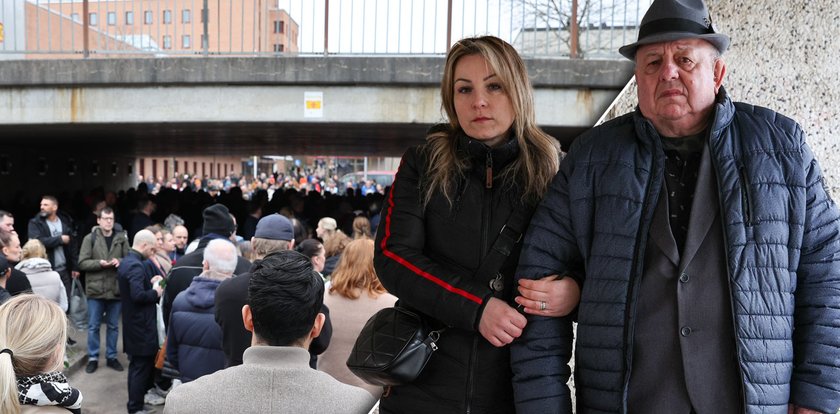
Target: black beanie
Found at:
217, 220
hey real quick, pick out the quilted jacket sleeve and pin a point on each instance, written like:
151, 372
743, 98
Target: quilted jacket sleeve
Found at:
816, 376
540, 357
443, 293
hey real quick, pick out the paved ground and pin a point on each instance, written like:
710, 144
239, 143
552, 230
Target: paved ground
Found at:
105, 391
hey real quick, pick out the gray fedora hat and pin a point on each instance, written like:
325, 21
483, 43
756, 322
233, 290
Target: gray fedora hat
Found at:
669, 20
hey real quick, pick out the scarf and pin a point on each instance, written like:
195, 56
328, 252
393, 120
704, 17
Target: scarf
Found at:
49, 389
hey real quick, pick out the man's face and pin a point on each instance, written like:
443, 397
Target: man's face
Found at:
159, 238
677, 83
48, 208
106, 221
168, 243
7, 223
179, 234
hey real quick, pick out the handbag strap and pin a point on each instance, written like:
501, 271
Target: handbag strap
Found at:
510, 234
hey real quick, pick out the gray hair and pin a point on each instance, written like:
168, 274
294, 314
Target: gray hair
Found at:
221, 258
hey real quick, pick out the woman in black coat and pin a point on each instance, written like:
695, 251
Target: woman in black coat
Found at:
451, 198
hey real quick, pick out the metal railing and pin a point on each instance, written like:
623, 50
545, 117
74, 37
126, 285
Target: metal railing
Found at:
47, 29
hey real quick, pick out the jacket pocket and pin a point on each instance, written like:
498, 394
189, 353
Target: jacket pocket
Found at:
94, 286
746, 197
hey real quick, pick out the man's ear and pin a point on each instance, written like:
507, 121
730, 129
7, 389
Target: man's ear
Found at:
720, 72
317, 326
247, 318
205, 265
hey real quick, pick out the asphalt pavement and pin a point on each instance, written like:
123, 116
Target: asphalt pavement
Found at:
104, 391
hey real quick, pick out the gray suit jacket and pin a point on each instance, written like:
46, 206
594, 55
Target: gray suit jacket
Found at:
272, 379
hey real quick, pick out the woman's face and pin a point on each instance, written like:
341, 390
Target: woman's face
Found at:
481, 103
12, 252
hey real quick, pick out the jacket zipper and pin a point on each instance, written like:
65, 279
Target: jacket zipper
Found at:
744, 198
485, 222
488, 175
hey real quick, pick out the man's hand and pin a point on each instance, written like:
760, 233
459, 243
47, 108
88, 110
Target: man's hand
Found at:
792, 409
500, 324
156, 286
548, 296
115, 262
65, 239
74, 274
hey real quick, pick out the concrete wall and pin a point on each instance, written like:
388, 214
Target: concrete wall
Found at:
784, 56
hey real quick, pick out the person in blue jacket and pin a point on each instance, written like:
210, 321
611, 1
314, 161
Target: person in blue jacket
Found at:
707, 247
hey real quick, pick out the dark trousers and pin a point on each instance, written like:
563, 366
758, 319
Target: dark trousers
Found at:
65, 280
140, 376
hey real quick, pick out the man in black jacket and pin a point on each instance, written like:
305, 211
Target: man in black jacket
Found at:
139, 293
274, 233
218, 224
54, 229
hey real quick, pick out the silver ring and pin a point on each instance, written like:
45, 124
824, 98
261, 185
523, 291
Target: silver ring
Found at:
542, 305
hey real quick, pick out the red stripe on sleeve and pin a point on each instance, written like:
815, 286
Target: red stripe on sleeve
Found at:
420, 272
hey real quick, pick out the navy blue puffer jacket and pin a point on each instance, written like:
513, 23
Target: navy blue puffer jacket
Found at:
782, 234
194, 342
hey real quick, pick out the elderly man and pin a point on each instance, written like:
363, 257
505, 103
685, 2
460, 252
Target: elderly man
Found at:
706, 244
194, 340
284, 300
180, 236
139, 292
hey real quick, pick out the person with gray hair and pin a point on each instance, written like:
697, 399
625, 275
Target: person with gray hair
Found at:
705, 242
194, 340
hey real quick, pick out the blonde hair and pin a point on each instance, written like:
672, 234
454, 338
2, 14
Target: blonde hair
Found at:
361, 228
336, 244
34, 328
539, 155
33, 249
263, 247
355, 271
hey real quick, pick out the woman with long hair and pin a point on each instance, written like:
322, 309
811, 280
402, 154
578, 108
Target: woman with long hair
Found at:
45, 281
33, 330
361, 228
354, 294
451, 199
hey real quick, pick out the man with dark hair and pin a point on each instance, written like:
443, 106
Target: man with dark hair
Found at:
99, 257
55, 230
274, 233
143, 217
283, 313
7, 221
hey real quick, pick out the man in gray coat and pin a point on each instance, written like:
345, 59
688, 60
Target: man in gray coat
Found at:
100, 255
283, 313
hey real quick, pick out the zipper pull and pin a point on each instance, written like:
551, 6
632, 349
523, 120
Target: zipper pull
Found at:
489, 174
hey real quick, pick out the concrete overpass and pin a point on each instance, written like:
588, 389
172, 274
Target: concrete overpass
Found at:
244, 106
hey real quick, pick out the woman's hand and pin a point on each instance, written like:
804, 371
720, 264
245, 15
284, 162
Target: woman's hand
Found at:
548, 296
500, 324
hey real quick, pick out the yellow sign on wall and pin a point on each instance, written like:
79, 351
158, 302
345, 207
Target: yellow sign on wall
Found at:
2, 33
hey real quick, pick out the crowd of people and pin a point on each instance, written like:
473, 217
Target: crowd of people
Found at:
692, 240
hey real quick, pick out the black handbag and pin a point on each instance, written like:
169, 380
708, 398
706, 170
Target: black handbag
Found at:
395, 344
392, 348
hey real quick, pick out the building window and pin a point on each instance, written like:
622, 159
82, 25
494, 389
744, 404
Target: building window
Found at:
186, 16
278, 47
167, 42
129, 18
147, 17
185, 42
93, 19
279, 26
112, 18
167, 16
